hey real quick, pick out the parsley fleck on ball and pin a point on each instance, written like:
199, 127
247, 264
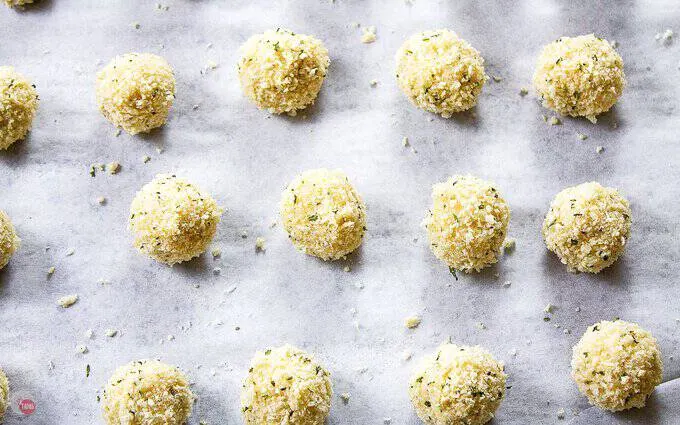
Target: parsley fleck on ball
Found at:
282, 71
580, 76
18, 105
9, 241
286, 385
467, 223
587, 226
440, 72
147, 392
323, 214
457, 385
135, 91
173, 220
616, 365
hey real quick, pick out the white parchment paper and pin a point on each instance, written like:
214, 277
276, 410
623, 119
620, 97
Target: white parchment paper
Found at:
244, 157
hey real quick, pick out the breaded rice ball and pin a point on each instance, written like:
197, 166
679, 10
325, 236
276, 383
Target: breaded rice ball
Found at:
135, 91
147, 392
467, 223
587, 226
12, 3
323, 214
286, 385
4, 393
457, 385
9, 241
616, 365
440, 72
282, 71
18, 104
173, 220
580, 76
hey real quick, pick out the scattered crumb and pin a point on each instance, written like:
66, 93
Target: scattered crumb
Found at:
581, 136
89, 334
599, 149
560, 414
50, 271
666, 37
110, 333
171, 337
513, 352
259, 244
509, 244
549, 308
146, 158
82, 349
216, 252
412, 322
406, 355
554, 121
496, 78
101, 200
373, 82
405, 142
523, 92
481, 326
369, 35
136, 25
347, 269
118, 132
68, 300
244, 234
113, 167
345, 397
70, 252
507, 284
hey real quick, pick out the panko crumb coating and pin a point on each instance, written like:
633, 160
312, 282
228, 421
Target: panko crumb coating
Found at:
135, 91
4, 393
587, 226
172, 220
457, 385
9, 241
12, 3
579, 76
286, 385
282, 71
467, 223
147, 392
323, 214
18, 105
616, 365
440, 72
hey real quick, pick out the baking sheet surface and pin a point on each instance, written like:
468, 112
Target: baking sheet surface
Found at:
244, 157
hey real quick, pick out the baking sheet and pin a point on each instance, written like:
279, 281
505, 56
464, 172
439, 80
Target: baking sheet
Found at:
244, 157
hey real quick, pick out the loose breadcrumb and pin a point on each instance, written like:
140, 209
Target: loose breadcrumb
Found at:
145, 392
67, 300
286, 385
440, 72
259, 244
587, 226
282, 71
113, 167
412, 322
457, 385
173, 220
18, 105
323, 214
368, 35
580, 76
467, 223
617, 365
135, 91
12, 3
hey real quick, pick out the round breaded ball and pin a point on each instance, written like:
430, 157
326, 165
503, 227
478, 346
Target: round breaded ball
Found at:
173, 220
4, 393
323, 214
147, 392
440, 72
18, 105
587, 226
467, 223
135, 91
580, 76
282, 71
9, 241
616, 365
286, 385
457, 385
